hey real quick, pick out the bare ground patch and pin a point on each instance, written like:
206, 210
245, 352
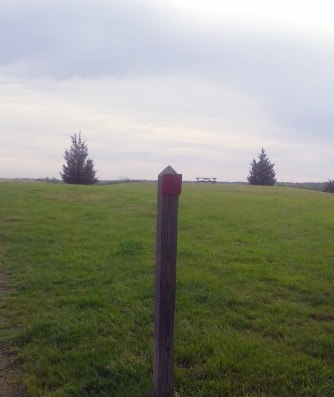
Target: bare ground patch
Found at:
10, 373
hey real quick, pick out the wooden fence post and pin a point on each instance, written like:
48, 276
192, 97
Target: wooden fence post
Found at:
169, 189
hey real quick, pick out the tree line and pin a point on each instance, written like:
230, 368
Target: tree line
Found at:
79, 169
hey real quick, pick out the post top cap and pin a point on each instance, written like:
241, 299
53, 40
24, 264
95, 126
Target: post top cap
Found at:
168, 170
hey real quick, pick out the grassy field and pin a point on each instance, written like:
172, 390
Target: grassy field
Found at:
255, 296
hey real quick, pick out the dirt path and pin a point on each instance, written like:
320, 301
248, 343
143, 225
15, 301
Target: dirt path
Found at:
10, 376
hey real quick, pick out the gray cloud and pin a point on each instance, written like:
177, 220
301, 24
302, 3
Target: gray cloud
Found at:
85, 39
89, 39
121, 40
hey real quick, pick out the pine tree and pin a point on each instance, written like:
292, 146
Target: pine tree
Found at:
78, 169
262, 171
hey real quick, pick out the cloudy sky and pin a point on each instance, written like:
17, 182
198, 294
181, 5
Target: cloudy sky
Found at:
198, 85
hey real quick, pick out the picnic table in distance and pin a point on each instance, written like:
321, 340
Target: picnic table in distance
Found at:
206, 179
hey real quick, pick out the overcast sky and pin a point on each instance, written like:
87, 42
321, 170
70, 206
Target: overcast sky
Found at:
198, 85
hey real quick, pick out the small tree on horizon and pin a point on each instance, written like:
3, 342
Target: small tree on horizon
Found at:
262, 171
78, 169
329, 186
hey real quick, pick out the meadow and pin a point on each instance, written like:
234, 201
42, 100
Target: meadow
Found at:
254, 301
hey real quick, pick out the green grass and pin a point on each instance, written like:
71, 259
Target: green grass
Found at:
255, 300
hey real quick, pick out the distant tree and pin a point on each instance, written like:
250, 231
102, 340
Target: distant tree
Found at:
329, 186
262, 171
78, 169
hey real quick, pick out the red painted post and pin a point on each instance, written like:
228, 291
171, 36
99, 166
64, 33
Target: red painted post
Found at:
169, 189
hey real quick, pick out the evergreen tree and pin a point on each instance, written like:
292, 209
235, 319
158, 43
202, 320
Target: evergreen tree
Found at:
78, 168
329, 186
262, 171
